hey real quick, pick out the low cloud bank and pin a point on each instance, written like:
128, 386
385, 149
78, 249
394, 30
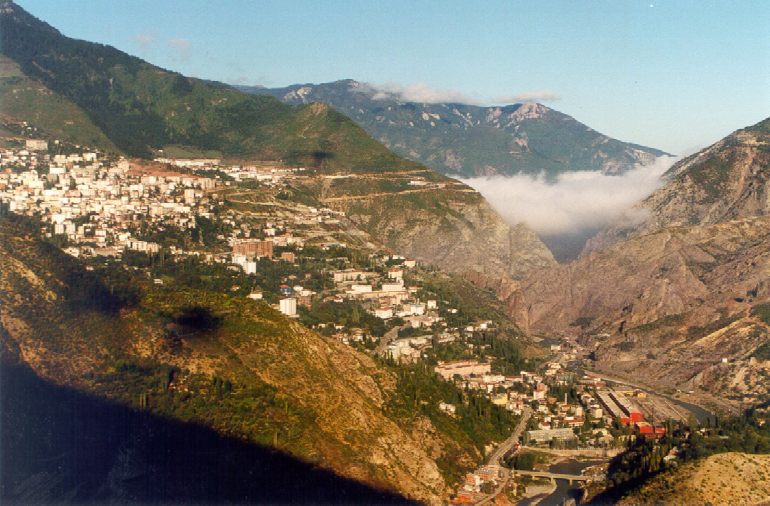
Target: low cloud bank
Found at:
421, 93
577, 201
532, 96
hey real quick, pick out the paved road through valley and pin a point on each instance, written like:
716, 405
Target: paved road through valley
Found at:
504, 448
389, 336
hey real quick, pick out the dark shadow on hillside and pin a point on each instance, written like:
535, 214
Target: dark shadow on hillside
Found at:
62, 446
82, 290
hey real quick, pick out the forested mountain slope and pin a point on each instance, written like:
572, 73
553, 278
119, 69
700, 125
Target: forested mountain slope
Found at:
467, 140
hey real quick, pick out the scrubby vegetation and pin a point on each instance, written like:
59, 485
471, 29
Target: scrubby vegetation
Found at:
142, 109
195, 349
476, 423
762, 311
686, 442
696, 332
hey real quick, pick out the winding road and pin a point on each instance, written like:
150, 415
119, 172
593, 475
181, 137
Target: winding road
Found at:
389, 336
500, 452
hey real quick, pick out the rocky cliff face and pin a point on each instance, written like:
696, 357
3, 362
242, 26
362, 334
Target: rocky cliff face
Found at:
641, 280
676, 293
668, 305
726, 181
453, 228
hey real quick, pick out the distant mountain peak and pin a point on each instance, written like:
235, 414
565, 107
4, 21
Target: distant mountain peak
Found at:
459, 139
299, 94
529, 110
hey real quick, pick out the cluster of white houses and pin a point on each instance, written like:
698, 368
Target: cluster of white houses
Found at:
96, 203
100, 204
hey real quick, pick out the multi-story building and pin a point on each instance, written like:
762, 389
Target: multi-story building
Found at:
463, 368
254, 248
288, 306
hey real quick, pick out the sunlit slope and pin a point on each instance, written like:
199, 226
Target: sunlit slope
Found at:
142, 108
225, 362
728, 180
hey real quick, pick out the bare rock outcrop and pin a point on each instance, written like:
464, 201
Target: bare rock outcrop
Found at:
726, 181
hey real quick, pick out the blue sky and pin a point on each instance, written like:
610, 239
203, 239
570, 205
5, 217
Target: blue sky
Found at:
671, 75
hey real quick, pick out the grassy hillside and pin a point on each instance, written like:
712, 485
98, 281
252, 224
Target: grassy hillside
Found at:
233, 365
27, 100
142, 108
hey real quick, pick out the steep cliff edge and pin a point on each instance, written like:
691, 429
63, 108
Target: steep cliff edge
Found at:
680, 306
451, 226
726, 181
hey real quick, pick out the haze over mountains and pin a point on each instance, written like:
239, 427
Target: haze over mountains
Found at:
534, 164
140, 109
570, 209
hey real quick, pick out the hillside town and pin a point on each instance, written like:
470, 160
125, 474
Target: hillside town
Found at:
106, 209
98, 207
103, 207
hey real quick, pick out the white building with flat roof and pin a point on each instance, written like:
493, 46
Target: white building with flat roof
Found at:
464, 368
288, 306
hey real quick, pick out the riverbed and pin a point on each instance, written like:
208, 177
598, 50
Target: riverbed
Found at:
563, 489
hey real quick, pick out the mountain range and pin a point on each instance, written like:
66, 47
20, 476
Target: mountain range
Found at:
677, 295
95, 94
466, 141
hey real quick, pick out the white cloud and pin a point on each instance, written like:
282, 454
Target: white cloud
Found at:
531, 96
576, 201
420, 93
144, 39
423, 94
181, 48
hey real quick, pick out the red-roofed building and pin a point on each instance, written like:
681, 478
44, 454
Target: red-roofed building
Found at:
648, 430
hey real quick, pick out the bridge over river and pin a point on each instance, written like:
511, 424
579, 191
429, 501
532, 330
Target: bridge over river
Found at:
557, 476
